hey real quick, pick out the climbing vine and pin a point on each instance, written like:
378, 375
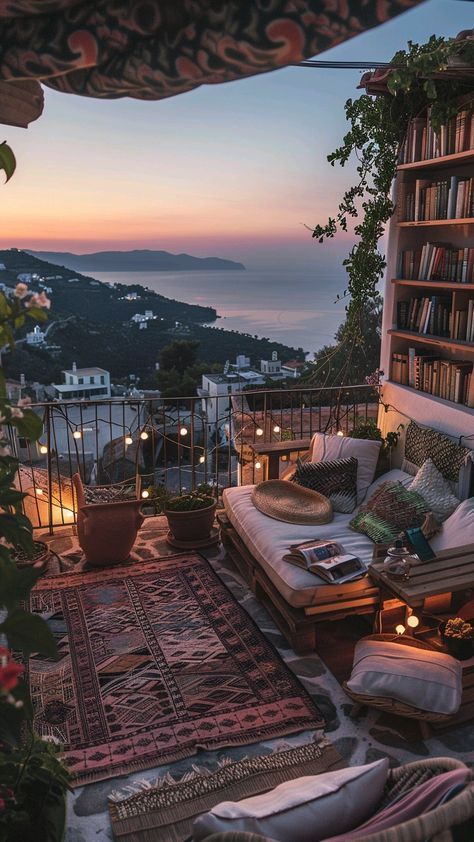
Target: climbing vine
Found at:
377, 127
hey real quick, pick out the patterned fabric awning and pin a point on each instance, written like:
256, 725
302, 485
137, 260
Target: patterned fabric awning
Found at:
152, 49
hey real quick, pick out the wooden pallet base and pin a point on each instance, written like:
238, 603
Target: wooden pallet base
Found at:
298, 627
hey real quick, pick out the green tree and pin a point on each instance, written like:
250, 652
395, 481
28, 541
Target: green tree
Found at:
180, 355
354, 355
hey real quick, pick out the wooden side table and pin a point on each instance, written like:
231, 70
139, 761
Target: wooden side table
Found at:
274, 450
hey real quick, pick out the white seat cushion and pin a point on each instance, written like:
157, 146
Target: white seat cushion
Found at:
458, 529
429, 681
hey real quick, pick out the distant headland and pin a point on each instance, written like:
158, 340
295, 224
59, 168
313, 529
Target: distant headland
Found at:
138, 260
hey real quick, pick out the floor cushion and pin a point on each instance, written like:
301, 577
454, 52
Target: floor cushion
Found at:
306, 809
325, 448
429, 681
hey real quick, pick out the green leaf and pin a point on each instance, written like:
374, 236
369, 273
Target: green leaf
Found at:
37, 314
30, 426
16, 529
7, 160
16, 583
28, 633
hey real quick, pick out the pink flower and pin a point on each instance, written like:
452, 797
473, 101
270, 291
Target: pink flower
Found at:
24, 401
39, 299
9, 671
16, 412
21, 290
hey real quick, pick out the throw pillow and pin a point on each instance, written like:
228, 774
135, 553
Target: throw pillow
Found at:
337, 480
325, 448
434, 489
458, 529
426, 680
391, 509
303, 810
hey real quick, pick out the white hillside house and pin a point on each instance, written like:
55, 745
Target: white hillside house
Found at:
83, 383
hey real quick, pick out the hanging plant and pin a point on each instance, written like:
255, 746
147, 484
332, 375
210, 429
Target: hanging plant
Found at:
377, 127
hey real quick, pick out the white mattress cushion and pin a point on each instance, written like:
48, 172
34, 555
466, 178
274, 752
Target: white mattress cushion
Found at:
458, 529
325, 448
269, 539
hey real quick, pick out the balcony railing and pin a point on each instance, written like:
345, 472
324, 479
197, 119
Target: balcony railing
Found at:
177, 443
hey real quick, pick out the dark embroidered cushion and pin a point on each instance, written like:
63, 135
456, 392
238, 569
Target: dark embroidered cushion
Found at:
337, 480
109, 494
423, 443
391, 509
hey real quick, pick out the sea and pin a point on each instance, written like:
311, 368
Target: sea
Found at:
297, 307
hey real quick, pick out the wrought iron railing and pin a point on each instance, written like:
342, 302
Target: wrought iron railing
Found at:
173, 443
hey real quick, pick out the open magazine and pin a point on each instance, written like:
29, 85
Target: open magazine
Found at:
326, 559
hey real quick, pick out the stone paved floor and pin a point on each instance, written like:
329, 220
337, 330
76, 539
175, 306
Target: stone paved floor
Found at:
369, 737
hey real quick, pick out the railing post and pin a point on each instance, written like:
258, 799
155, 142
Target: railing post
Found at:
49, 464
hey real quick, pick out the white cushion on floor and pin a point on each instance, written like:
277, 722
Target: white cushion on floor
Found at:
429, 681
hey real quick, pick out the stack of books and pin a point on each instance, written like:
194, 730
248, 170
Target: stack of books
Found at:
423, 143
430, 314
437, 262
451, 198
452, 380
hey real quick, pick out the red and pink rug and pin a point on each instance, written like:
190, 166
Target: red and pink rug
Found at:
157, 660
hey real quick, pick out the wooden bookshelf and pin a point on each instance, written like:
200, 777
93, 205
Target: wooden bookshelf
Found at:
442, 161
441, 360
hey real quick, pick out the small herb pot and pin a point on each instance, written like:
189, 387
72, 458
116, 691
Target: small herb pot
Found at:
193, 525
460, 648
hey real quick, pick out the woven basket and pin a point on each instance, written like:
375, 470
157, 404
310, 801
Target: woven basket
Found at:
435, 825
291, 503
393, 705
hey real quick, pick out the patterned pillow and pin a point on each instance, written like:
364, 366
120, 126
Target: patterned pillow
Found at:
434, 489
337, 480
391, 509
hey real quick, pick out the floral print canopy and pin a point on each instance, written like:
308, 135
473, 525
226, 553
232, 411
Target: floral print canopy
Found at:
152, 49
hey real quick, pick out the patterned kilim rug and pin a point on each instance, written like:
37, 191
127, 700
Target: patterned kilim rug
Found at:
157, 660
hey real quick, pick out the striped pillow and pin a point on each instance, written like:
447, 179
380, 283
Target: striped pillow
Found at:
337, 480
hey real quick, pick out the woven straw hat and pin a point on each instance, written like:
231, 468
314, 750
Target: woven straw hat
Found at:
292, 503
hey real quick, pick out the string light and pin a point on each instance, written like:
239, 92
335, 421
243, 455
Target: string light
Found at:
183, 431
413, 621
38, 492
143, 435
43, 449
77, 434
128, 440
400, 629
202, 459
276, 429
339, 433
258, 465
259, 431
145, 494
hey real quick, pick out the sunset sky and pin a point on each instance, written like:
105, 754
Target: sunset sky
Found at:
232, 170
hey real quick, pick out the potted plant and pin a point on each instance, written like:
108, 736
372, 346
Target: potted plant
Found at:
457, 635
191, 514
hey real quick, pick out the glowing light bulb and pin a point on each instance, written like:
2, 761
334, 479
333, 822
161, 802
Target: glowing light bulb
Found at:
43, 449
276, 429
413, 621
202, 459
38, 492
339, 433
259, 431
183, 431
145, 494
284, 458
77, 434
258, 465
400, 629
144, 435
128, 440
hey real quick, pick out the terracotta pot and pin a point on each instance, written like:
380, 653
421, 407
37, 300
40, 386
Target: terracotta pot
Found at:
107, 531
195, 525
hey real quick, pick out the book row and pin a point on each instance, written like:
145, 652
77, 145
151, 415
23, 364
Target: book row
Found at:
423, 143
435, 315
448, 198
437, 262
452, 380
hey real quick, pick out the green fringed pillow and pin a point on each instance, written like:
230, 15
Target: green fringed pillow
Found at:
391, 509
